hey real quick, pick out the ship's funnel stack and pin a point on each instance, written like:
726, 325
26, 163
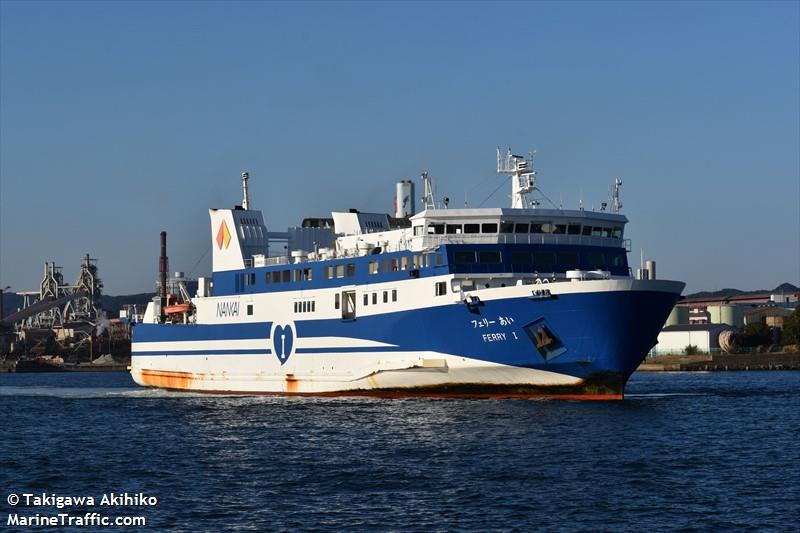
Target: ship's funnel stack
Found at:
237, 235
404, 199
162, 272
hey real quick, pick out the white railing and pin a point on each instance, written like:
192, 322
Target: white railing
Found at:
276, 260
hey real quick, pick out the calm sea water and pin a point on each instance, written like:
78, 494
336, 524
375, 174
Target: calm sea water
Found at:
684, 451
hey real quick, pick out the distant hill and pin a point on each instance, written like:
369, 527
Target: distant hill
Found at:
783, 287
113, 304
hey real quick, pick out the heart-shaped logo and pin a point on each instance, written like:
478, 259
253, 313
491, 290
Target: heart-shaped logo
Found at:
282, 342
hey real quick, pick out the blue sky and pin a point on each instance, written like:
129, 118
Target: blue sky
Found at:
120, 119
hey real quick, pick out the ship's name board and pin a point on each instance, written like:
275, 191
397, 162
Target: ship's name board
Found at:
226, 309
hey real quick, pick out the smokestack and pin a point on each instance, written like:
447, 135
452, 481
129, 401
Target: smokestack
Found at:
162, 271
246, 199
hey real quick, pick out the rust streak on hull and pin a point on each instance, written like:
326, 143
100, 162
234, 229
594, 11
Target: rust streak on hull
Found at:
167, 379
185, 381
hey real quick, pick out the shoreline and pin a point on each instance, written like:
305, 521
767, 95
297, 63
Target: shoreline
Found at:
721, 362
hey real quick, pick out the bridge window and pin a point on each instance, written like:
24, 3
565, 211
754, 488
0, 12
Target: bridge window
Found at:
464, 258
373, 267
298, 275
419, 230
607, 232
472, 228
453, 229
506, 227
404, 262
574, 229
616, 233
560, 229
439, 260
617, 260
385, 266
267, 277
595, 260
417, 261
286, 276
521, 228
350, 270
441, 288
489, 256
544, 259
307, 274
587, 231
597, 231
328, 272
544, 227
488, 228
435, 229
525, 258
568, 259
276, 276
339, 271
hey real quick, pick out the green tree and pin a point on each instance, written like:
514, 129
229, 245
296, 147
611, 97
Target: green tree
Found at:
757, 334
791, 328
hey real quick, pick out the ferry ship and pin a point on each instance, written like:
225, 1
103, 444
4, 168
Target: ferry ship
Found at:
523, 301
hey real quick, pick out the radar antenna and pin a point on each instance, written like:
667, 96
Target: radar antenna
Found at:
523, 177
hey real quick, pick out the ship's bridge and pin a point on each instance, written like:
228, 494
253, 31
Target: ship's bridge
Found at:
517, 226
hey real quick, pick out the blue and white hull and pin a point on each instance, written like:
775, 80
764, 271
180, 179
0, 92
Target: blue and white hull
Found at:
579, 338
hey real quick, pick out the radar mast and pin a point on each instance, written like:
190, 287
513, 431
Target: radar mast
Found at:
523, 177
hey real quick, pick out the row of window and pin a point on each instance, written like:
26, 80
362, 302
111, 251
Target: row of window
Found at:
540, 259
305, 306
520, 227
244, 280
374, 297
340, 271
285, 276
405, 262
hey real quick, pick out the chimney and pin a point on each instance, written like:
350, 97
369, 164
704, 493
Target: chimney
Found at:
162, 272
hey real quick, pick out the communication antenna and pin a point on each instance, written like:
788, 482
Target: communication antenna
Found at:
246, 198
615, 203
428, 201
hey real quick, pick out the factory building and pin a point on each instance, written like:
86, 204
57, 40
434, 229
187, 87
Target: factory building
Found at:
675, 339
774, 317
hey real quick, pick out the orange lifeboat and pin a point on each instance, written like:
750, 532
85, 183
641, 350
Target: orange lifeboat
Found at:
175, 308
